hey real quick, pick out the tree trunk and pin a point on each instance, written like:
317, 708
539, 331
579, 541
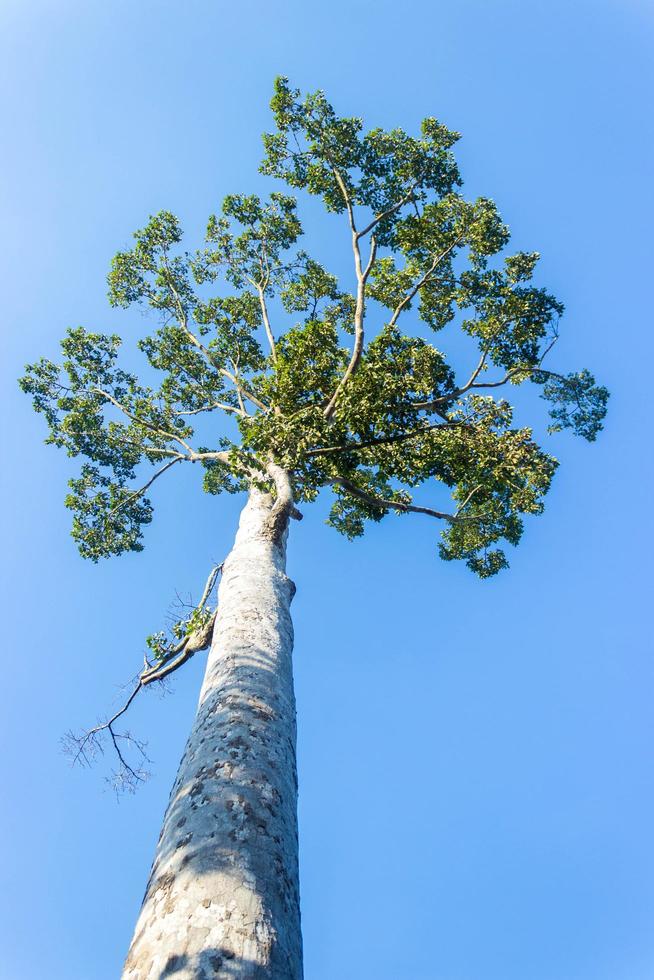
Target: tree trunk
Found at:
223, 898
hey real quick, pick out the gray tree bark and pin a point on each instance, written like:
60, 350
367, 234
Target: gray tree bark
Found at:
223, 897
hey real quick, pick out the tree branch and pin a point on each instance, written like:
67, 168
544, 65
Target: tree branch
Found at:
261, 288
139, 492
472, 385
398, 505
209, 408
143, 448
423, 281
387, 213
241, 388
140, 421
179, 654
359, 317
266, 324
344, 191
222, 370
381, 441
467, 500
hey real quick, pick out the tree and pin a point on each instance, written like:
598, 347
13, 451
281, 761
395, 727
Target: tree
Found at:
341, 399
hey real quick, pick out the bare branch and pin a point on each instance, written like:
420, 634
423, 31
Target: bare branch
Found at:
467, 500
130, 442
261, 292
242, 389
371, 259
83, 748
212, 405
266, 323
210, 408
235, 365
155, 449
222, 455
191, 455
344, 191
209, 585
240, 402
359, 318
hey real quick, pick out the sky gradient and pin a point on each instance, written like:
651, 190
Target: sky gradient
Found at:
476, 789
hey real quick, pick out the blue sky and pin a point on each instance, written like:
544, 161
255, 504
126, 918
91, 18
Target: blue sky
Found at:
476, 790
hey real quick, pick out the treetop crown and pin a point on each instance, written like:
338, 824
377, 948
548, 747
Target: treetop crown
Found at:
261, 362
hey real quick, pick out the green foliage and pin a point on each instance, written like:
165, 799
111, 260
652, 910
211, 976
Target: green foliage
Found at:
163, 644
260, 355
313, 147
256, 254
577, 403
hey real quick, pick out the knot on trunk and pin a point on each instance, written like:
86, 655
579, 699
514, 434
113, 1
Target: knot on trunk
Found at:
282, 507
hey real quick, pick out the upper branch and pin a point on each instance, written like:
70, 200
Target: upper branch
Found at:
473, 385
381, 441
191, 454
212, 405
423, 280
223, 370
387, 213
210, 408
266, 323
399, 505
261, 292
359, 317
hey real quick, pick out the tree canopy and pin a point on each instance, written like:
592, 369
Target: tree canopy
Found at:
260, 359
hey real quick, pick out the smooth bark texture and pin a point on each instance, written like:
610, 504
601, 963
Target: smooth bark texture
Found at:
222, 899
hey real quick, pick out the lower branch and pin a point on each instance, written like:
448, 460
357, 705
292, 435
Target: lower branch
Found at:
84, 747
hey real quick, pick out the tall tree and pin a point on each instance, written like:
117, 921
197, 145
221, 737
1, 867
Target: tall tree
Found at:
280, 381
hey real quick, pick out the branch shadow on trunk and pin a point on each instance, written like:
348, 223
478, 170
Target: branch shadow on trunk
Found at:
211, 964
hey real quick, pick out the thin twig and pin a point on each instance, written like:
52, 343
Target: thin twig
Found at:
141, 490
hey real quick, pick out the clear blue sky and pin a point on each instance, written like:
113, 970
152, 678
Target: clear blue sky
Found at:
475, 758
